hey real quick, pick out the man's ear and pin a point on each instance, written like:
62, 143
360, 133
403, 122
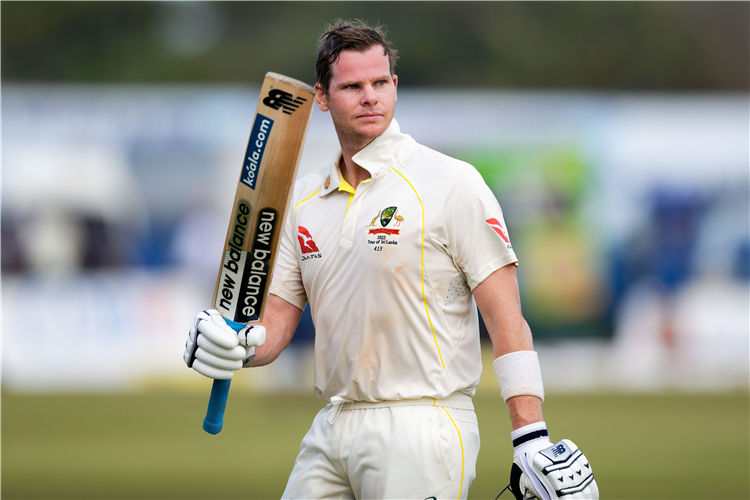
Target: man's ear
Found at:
395, 85
320, 97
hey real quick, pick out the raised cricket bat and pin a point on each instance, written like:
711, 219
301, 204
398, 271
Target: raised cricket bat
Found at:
263, 192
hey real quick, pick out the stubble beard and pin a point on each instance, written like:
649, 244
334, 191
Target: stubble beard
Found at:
352, 140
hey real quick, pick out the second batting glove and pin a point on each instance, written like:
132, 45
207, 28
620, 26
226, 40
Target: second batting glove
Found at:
549, 471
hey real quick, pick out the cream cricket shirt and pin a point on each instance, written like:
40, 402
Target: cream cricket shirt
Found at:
388, 272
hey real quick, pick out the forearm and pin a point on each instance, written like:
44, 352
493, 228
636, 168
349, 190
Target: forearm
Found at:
280, 320
511, 335
499, 302
524, 410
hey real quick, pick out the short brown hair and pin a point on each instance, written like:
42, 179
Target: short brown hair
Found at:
348, 35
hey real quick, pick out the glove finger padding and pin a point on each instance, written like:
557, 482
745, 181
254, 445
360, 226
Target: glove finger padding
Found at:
236, 353
252, 335
190, 347
526, 486
559, 471
210, 371
215, 349
217, 362
218, 332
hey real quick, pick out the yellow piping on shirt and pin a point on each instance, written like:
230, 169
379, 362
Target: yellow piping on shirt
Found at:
424, 297
461, 442
347, 188
298, 204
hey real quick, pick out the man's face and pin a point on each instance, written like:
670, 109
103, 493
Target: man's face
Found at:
361, 96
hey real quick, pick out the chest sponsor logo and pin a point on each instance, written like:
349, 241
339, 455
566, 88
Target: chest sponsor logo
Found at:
381, 234
499, 229
306, 243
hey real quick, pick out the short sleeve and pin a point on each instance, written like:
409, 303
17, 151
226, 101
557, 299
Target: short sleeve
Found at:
287, 277
478, 238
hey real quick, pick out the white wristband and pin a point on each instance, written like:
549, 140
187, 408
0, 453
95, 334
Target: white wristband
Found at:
519, 374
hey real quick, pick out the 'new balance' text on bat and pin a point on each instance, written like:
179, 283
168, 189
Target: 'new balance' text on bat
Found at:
268, 172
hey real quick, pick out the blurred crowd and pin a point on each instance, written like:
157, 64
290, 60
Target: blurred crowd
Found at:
81, 198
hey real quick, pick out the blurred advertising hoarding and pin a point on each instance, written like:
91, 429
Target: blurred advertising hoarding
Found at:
629, 214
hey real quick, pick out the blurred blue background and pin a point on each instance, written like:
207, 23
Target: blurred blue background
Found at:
615, 137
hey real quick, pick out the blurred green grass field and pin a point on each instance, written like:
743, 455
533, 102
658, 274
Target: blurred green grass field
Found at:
152, 446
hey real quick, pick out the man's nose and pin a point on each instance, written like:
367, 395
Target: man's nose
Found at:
370, 96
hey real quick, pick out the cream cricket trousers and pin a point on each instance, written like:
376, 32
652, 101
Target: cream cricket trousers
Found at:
411, 449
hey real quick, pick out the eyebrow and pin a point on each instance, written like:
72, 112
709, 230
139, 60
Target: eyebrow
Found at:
346, 83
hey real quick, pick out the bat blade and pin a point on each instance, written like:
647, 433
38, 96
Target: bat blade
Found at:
260, 204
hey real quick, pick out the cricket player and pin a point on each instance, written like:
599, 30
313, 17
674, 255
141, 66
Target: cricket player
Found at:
394, 246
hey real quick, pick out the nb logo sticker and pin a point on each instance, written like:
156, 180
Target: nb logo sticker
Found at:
278, 99
558, 450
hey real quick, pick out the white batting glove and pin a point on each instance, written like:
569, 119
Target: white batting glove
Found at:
215, 350
546, 471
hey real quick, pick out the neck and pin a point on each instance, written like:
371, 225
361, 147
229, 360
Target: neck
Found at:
352, 173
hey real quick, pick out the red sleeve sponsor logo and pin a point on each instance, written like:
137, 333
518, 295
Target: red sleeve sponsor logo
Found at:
495, 224
306, 242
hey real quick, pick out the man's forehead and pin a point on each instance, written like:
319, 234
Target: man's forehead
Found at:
368, 58
371, 50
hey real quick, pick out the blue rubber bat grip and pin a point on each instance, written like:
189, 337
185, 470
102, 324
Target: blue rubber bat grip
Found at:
215, 415
219, 392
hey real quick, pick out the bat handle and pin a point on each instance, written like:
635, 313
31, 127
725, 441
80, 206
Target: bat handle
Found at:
215, 415
218, 402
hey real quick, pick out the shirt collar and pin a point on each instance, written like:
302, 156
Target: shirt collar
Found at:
332, 181
390, 148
